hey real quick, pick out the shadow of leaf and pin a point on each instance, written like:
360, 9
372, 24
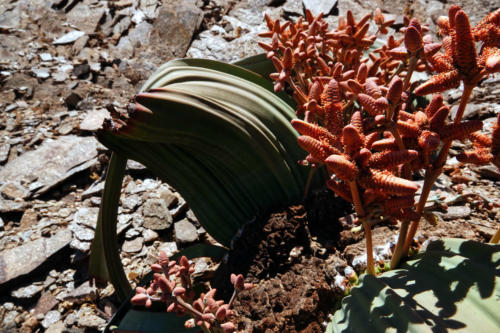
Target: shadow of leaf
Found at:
453, 285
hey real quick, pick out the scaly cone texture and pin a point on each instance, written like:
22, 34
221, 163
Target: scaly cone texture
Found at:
359, 115
460, 61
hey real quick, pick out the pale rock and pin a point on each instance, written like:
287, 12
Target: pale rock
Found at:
293, 8
70, 37
171, 199
56, 327
95, 67
41, 73
140, 34
135, 166
27, 292
50, 318
13, 191
146, 185
174, 28
23, 259
86, 216
65, 128
138, 17
9, 321
45, 56
456, 212
93, 190
81, 233
157, 215
124, 221
94, 119
132, 233
122, 26
85, 18
29, 219
149, 235
149, 8
11, 206
4, 152
124, 49
53, 162
130, 202
215, 44
319, 6
488, 171
66, 68
71, 319
170, 248
60, 77
180, 209
82, 293
202, 266
91, 320
9, 306
134, 245
77, 244
185, 232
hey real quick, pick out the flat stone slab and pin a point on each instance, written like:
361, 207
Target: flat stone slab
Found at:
24, 259
185, 232
94, 119
54, 162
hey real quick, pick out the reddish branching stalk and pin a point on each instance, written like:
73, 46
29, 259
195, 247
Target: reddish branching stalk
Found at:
172, 284
359, 118
431, 174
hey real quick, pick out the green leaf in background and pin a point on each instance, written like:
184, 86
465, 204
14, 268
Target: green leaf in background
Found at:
453, 286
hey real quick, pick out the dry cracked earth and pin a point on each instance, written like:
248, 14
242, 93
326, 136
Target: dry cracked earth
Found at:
63, 61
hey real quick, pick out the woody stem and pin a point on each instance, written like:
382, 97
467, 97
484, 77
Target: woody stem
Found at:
496, 237
370, 266
360, 211
399, 141
398, 251
233, 297
358, 205
431, 174
195, 313
409, 73
308, 184
297, 89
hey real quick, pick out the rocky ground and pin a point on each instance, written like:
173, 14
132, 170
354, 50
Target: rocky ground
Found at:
62, 62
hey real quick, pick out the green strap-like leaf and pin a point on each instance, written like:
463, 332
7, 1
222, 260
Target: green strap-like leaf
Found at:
105, 263
258, 64
217, 134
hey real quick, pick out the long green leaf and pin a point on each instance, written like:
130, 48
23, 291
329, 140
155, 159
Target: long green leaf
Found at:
168, 72
258, 64
233, 140
105, 263
217, 134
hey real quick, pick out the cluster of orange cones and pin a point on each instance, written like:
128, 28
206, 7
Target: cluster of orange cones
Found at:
359, 110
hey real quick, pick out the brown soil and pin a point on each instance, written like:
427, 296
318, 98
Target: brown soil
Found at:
294, 256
